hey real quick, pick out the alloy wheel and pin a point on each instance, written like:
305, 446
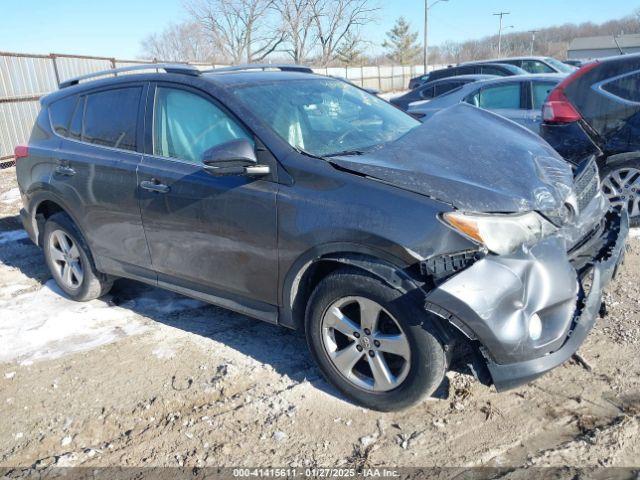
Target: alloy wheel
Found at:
366, 344
622, 188
65, 257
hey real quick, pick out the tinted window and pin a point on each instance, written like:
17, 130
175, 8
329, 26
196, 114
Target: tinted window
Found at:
110, 118
498, 97
541, 91
535, 66
466, 70
185, 125
60, 114
426, 92
494, 71
627, 87
446, 87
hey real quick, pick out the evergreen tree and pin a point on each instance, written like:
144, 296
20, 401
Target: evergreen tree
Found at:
401, 43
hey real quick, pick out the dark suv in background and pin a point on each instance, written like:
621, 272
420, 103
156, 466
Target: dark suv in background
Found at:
596, 111
304, 201
532, 64
497, 69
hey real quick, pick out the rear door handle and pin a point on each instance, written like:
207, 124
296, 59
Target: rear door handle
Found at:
65, 170
155, 186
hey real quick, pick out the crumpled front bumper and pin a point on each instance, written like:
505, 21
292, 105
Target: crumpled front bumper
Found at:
495, 300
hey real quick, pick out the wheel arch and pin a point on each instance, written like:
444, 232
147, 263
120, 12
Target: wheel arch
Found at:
43, 205
317, 263
618, 158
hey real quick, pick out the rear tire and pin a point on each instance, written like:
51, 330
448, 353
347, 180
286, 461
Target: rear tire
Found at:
621, 185
70, 262
343, 301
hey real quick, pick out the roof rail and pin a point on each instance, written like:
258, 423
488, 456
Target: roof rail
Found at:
263, 66
167, 67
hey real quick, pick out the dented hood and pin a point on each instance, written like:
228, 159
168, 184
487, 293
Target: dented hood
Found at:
472, 159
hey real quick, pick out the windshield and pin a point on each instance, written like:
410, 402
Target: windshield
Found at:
560, 66
325, 117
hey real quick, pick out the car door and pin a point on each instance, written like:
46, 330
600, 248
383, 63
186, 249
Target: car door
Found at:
215, 235
506, 98
95, 174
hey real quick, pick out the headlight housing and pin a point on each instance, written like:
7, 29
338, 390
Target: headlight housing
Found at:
501, 234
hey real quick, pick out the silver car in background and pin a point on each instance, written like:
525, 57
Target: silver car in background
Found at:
517, 98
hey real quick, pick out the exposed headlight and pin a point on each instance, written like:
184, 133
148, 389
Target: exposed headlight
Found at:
501, 234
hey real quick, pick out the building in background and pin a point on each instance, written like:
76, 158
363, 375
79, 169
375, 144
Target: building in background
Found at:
587, 48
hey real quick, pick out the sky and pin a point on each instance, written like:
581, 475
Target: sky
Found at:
115, 28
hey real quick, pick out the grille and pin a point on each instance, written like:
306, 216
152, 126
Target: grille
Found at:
587, 183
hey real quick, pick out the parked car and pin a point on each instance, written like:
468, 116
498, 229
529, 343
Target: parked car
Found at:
434, 89
596, 111
532, 64
306, 202
517, 98
574, 63
498, 69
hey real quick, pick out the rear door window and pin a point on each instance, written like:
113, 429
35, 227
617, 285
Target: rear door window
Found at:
427, 92
110, 118
491, 70
627, 87
536, 66
540, 92
60, 113
445, 87
500, 97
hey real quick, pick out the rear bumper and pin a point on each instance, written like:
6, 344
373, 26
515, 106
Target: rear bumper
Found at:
528, 311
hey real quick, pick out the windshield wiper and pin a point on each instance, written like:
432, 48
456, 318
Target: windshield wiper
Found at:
346, 153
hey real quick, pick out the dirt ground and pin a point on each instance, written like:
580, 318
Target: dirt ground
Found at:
146, 377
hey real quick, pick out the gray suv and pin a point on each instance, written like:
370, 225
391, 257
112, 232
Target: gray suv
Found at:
306, 202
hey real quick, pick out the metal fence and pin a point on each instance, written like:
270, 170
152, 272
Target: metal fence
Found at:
25, 78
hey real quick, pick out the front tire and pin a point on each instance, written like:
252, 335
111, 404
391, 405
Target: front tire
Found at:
70, 262
621, 185
372, 342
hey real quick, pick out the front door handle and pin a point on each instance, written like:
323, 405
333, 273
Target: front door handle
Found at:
65, 170
155, 186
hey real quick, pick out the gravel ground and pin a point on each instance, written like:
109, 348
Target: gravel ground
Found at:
145, 377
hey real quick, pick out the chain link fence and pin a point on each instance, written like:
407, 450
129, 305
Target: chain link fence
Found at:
25, 78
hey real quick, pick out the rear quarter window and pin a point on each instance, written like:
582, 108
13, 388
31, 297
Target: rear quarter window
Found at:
60, 113
627, 87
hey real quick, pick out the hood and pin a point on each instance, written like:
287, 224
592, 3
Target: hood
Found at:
473, 160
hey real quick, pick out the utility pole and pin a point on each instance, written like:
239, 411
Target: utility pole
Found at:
500, 14
533, 39
426, 31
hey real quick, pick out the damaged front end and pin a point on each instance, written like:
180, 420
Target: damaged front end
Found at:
530, 309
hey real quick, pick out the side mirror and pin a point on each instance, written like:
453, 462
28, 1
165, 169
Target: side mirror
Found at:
236, 157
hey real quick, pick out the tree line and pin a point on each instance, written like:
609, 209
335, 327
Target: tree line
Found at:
329, 33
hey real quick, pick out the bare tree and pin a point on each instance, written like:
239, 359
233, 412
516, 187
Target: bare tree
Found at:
298, 26
335, 19
242, 28
351, 50
179, 43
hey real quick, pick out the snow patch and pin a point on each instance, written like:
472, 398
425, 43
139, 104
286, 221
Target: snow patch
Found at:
12, 236
45, 324
164, 352
11, 196
634, 233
